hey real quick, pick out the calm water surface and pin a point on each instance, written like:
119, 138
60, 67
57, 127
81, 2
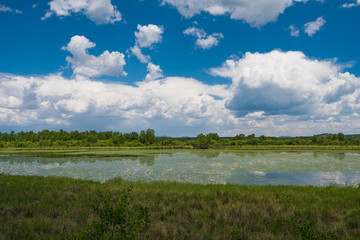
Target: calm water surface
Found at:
319, 168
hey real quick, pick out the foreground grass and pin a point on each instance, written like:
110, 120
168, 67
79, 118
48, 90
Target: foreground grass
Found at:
60, 208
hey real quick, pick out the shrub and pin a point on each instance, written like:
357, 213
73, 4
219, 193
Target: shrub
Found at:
116, 219
307, 231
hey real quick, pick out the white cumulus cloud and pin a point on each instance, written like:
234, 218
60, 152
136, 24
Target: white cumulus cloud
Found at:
294, 31
98, 11
4, 8
82, 63
312, 27
257, 13
146, 37
81, 102
349, 5
204, 40
154, 72
274, 93
289, 83
139, 54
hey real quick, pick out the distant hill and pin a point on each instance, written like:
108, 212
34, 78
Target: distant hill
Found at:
347, 136
322, 135
351, 136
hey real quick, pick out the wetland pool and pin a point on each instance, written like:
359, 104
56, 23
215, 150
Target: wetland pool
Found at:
212, 166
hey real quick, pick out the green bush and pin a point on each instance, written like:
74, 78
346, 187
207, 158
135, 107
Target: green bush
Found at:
307, 231
116, 219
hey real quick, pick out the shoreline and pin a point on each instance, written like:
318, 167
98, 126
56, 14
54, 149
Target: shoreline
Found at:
240, 147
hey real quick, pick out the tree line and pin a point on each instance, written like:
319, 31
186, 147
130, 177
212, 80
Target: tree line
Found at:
147, 137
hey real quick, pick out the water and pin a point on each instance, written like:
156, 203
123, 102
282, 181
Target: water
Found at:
319, 168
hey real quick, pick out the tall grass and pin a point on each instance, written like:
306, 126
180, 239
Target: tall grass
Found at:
61, 208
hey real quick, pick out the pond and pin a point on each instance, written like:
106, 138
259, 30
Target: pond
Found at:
318, 168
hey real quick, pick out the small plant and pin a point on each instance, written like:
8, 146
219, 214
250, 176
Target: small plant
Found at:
307, 231
116, 219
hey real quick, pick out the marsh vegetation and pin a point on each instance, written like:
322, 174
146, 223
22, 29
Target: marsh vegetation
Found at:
60, 208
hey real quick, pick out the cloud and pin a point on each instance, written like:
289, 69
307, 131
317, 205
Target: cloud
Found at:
98, 11
80, 101
294, 31
154, 72
82, 63
349, 5
275, 93
312, 27
257, 13
138, 53
289, 83
146, 37
4, 8
204, 40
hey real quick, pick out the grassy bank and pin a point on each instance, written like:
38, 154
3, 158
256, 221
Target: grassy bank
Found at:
240, 147
60, 208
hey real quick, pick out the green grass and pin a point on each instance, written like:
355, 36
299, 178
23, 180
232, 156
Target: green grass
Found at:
237, 147
60, 208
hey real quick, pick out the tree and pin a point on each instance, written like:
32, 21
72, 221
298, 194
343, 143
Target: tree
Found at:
314, 139
341, 136
150, 136
147, 137
203, 141
252, 141
213, 136
131, 136
118, 139
251, 136
241, 136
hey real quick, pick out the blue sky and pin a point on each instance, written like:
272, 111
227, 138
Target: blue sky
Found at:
181, 67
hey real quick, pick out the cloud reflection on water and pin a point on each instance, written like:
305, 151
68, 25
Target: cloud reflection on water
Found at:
319, 168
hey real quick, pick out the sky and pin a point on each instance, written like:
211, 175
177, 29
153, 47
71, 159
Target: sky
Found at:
181, 67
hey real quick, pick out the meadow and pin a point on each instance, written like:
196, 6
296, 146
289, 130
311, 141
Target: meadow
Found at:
33, 207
